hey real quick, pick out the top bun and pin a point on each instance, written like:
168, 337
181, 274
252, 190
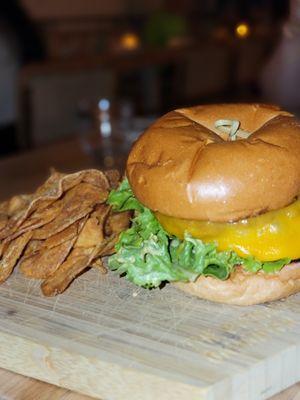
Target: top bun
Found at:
182, 166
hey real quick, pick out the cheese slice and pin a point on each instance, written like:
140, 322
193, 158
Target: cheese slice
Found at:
267, 237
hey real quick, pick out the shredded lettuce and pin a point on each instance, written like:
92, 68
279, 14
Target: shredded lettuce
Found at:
148, 256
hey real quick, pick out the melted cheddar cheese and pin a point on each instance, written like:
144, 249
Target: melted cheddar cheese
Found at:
267, 237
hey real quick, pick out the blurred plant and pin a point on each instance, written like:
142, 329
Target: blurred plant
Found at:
162, 28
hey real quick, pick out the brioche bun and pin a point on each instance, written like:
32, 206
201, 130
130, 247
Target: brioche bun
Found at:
183, 167
243, 288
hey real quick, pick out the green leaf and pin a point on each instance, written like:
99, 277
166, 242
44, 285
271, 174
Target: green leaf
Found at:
148, 255
251, 264
274, 266
122, 199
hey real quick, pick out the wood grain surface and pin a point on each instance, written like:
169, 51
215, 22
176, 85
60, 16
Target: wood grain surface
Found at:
108, 339
18, 387
112, 340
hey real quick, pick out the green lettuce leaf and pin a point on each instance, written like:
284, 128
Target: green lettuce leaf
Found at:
122, 199
148, 256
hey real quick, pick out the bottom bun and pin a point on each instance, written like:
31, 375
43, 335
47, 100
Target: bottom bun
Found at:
243, 288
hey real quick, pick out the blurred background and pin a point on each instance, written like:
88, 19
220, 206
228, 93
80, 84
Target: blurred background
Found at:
92, 70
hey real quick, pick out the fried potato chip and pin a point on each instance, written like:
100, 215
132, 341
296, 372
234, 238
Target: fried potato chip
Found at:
11, 255
2, 248
46, 215
59, 183
13, 229
107, 247
15, 204
32, 247
113, 177
45, 262
91, 234
51, 190
38, 219
69, 233
101, 212
117, 222
77, 203
93, 231
98, 264
97, 178
3, 221
4, 216
62, 229
78, 260
10, 209
18, 203
4, 207
43, 257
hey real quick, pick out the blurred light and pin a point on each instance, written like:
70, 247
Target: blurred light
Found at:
242, 30
104, 117
103, 104
105, 128
130, 41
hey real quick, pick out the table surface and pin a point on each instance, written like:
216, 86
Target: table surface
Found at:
23, 173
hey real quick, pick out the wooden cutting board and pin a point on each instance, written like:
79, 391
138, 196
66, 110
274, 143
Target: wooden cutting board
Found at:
109, 339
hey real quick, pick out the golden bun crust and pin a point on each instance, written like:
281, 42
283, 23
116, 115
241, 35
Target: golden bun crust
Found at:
245, 289
182, 167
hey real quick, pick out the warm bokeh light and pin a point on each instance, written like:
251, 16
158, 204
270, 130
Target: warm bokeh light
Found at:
242, 30
130, 41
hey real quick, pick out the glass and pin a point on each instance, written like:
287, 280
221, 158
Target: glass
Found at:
114, 128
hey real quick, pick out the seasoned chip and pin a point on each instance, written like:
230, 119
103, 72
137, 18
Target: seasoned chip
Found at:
2, 248
11, 255
97, 178
107, 247
93, 231
43, 257
67, 234
51, 186
18, 203
4, 207
15, 204
62, 229
51, 190
98, 264
101, 212
46, 215
45, 262
78, 260
11, 209
59, 183
113, 177
91, 234
78, 202
3, 221
117, 222
39, 218
32, 247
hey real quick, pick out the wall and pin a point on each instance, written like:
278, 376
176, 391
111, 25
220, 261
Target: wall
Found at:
61, 8
45, 9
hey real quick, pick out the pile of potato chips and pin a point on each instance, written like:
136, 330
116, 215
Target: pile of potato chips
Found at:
62, 229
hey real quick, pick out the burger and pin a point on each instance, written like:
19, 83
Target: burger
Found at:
215, 195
